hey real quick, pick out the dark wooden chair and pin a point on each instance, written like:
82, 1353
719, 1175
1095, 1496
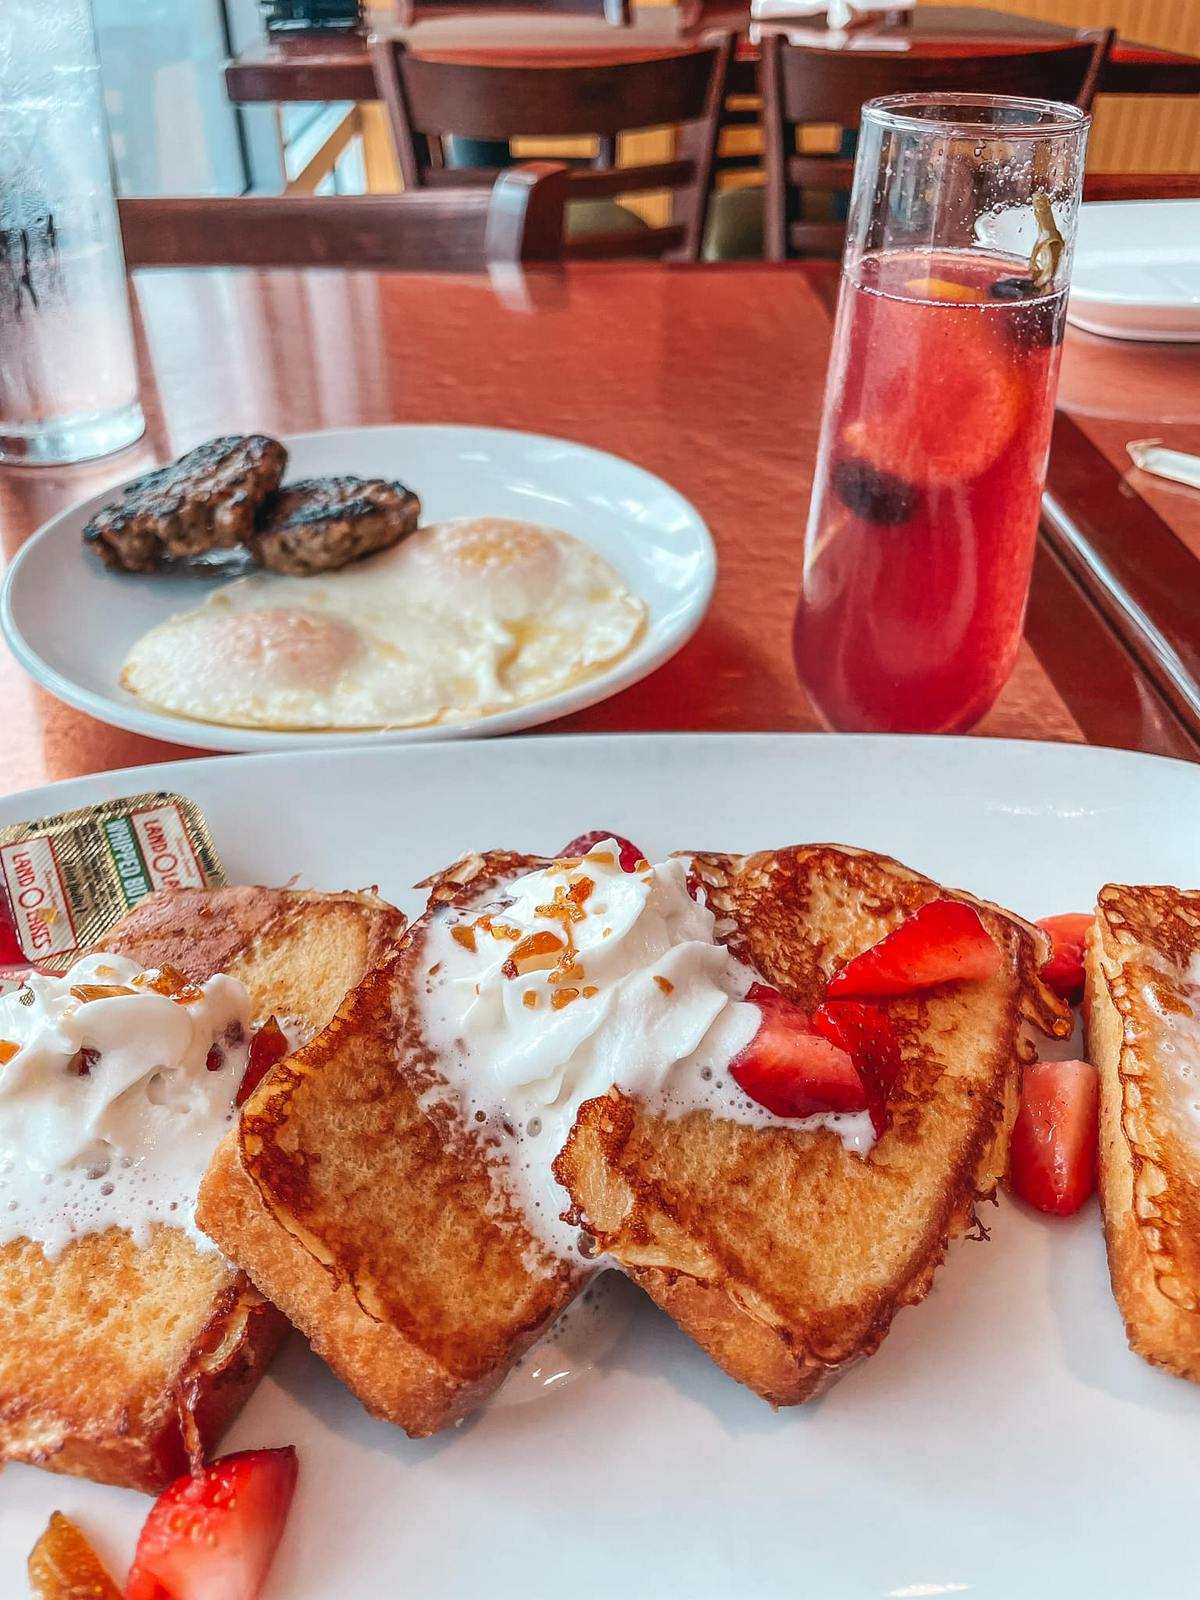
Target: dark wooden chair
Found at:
617, 12
802, 87
430, 101
518, 219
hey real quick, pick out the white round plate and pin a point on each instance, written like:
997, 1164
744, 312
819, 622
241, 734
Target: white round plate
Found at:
1003, 1444
1137, 270
70, 622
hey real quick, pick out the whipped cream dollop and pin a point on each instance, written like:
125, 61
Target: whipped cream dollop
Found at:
577, 978
116, 1083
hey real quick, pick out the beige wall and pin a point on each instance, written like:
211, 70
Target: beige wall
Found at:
1134, 133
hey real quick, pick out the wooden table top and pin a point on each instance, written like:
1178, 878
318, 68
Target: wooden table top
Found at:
318, 66
710, 376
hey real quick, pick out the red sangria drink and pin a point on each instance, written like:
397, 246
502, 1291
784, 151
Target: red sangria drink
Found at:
938, 411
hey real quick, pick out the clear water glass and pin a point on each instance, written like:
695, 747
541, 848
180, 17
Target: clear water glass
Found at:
68, 371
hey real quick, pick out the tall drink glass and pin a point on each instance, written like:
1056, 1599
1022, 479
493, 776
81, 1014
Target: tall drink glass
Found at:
938, 408
68, 379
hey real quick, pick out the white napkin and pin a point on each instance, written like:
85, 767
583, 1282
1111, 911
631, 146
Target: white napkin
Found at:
838, 14
1178, 465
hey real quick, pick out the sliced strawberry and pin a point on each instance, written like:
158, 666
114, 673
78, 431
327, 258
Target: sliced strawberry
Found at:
267, 1046
1052, 1163
1064, 970
631, 857
943, 942
866, 1034
214, 1536
791, 1070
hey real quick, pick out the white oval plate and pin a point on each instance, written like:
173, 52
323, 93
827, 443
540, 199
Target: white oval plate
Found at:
70, 622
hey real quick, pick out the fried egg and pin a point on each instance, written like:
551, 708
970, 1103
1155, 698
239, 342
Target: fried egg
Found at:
463, 618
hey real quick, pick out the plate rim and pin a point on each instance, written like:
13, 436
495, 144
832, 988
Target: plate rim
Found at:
870, 1435
1066, 750
1122, 300
220, 738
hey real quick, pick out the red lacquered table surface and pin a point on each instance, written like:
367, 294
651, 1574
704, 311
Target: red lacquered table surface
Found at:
709, 376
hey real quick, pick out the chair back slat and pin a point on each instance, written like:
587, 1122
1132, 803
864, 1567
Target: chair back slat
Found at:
499, 102
430, 100
518, 219
632, 180
805, 87
822, 172
645, 244
831, 86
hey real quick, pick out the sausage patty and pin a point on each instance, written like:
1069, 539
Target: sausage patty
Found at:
320, 524
207, 500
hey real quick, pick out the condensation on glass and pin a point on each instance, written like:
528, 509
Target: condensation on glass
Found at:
68, 375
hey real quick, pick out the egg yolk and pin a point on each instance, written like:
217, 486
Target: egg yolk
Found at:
291, 648
488, 544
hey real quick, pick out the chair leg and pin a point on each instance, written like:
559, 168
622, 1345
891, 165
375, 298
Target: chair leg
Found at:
698, 141
775, 198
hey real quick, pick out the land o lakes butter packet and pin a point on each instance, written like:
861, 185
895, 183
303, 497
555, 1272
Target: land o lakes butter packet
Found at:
66, 880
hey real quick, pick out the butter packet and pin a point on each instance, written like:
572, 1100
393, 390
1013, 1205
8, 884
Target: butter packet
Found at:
66, 880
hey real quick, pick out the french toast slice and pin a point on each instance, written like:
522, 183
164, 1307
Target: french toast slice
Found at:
781, 1253
1142, 1022
359, 1202
122, 1362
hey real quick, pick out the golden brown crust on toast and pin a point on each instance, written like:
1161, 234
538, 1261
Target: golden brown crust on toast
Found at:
782, 1254
359, 1202
1142, 1017
269, 938
117, 1359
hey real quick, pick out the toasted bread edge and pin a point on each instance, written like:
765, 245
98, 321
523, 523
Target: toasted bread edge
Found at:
747, 1342
221, 1373
1161, 1332
247, 1206
394, 1379
162, 1430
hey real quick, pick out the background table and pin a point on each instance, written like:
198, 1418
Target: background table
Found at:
709, 376
338, 67
1134, 150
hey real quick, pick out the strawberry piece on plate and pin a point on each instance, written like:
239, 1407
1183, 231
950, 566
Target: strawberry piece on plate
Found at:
63, 1565
214, 1536
1052, 1162
631, 857
791, 1070
866, 1034
1064, 970
943, 942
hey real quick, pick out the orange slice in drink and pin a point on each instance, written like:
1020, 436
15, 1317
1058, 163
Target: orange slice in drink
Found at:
940, 289
946, 393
